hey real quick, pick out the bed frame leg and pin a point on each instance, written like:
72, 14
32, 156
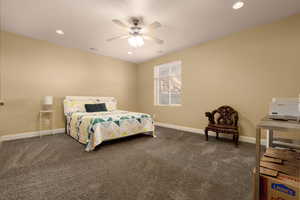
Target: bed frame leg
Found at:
87, 150
88, 147
154, 134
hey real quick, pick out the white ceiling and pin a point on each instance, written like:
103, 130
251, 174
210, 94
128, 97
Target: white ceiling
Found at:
87, 23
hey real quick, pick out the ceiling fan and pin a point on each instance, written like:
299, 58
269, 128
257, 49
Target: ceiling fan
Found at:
136, 31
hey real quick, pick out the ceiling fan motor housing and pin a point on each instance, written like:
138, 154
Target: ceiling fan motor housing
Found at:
136, 21
135, 30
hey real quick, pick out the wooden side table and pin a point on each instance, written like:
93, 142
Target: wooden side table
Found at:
270, 125
46, 112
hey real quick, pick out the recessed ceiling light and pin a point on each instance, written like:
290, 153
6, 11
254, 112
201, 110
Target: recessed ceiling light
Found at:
129, 52
238, 5
60, 32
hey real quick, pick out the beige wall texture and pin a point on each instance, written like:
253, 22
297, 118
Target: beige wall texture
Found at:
243, 70
32, 69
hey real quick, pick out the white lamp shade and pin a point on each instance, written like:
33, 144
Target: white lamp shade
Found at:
48, 100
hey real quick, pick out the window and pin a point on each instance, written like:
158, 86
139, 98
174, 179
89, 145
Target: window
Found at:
167, 84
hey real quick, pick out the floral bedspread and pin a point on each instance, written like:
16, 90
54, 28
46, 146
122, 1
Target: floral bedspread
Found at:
92, 129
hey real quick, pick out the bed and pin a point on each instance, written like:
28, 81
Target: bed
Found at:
92, 128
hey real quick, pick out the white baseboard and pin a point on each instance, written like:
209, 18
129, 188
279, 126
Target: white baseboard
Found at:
31, 134
201, 131
166, 125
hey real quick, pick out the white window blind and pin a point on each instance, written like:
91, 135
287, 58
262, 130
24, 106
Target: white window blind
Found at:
167, 84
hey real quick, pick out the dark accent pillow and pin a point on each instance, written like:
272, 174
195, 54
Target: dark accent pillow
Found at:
101, 107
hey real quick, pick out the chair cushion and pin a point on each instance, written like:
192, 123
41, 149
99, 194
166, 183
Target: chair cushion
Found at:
222, 128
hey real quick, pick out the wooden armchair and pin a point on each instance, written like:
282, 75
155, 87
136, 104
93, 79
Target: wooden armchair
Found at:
223, 120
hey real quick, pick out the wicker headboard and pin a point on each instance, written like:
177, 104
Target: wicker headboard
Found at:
76, 103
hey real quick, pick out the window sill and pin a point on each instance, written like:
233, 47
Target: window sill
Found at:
170, 105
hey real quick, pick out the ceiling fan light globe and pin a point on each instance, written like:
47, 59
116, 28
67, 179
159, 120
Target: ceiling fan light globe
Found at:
136, 41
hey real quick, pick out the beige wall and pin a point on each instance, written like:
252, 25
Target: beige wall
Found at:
244, 70
33, 68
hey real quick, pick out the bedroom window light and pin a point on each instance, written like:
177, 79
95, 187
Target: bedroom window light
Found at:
167, 84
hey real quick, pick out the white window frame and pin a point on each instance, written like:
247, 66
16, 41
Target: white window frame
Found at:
156, 96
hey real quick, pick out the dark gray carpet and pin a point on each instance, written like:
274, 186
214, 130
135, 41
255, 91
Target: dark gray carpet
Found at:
174, 166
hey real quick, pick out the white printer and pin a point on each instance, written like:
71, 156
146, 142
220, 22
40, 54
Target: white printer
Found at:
285, 109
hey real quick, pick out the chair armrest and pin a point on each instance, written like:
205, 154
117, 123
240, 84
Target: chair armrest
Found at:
210, 117
207, 114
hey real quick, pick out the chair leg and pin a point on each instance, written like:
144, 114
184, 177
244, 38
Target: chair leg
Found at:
237, 140
206, 134
217, 135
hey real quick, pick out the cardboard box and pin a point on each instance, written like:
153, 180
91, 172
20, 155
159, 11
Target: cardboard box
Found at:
280, 175
280, 188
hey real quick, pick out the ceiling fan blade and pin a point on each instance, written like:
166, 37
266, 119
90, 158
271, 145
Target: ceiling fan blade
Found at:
119, 23
157, 40
154, 25
118, 37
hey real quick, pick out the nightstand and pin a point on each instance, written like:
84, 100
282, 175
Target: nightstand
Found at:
46, 112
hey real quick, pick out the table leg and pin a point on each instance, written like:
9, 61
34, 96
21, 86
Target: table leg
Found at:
40, 124
257, 171
269, 138
52, 123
